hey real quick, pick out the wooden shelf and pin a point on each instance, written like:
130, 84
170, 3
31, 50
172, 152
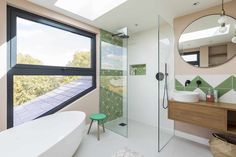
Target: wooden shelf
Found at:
217, 55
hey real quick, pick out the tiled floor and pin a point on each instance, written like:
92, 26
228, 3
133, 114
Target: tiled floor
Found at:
44, 103
115, 127
141, 139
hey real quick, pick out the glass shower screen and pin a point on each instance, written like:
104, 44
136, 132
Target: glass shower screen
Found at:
165, 67
113, 80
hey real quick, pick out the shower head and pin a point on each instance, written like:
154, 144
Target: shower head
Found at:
121, 35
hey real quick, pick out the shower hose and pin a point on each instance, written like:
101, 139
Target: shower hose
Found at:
165, 95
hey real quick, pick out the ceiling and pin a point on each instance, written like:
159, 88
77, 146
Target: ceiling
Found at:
144, 13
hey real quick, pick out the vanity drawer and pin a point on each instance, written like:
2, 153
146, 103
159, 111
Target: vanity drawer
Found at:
210, 117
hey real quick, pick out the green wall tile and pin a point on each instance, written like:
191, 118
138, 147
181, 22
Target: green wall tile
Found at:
111, 101
193, 83
107, 37
223, 88
228, 83
105, 72
111, 104
222, 92
178, 84
179, 88
189, 88
204, 83
204, 89
234, 83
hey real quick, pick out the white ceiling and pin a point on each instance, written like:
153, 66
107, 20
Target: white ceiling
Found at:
141, 12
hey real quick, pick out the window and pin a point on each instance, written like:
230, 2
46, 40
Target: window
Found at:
192, 58
89, 9
48, 42
51, 65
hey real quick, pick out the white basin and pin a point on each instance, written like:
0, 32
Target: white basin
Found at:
184, 96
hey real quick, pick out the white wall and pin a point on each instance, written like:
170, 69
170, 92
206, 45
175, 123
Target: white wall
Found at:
142, 90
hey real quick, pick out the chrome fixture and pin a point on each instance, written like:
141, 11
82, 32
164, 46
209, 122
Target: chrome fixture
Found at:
222, 20
165, 89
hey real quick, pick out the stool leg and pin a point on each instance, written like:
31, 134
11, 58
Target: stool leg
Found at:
103, 126
98, 131
90, 126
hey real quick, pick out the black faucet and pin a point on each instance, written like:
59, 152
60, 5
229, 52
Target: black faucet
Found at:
198, 82
187, 82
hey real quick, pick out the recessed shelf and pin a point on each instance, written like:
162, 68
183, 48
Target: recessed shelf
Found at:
217, 55
138, 69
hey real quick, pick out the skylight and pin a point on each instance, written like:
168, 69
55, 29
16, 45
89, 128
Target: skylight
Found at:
89, 9
206, 33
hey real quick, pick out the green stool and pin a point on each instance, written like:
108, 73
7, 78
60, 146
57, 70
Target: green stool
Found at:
99, 117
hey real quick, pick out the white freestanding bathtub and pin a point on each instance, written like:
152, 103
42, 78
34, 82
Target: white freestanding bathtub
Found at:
57, 135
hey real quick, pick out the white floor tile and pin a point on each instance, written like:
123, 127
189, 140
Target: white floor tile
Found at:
142, 139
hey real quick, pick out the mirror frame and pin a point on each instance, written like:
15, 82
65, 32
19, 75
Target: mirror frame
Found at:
187, 27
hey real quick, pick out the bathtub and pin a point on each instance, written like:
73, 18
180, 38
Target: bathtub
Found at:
57, 135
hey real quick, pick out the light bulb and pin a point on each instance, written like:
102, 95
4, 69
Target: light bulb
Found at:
222, 29
234, 39
222, 19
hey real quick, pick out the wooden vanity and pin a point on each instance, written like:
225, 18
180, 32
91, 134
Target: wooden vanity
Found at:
216, 116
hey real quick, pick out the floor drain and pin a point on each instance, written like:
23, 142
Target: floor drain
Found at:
122, 124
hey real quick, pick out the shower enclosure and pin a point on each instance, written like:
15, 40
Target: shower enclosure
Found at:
130, 94
165, 86
113, 80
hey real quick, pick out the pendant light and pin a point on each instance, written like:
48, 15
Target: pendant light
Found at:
222, 20
222, 28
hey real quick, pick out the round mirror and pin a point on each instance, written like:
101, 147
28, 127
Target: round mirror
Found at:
208, 41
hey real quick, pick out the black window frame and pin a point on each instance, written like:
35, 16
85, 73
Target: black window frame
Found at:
28, 69
194, 63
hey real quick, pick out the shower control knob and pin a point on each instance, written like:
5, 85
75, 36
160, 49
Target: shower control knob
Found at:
160, 76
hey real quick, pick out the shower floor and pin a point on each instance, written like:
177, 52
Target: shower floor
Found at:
116, 127
134, 126
142, 139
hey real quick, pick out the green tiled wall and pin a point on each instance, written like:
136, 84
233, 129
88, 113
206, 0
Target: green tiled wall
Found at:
111, 104
107, 37
224, 87
111, 98
104, 72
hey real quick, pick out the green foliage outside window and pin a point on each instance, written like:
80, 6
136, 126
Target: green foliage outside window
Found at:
27, 88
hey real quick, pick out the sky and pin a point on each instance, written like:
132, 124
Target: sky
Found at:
50, 45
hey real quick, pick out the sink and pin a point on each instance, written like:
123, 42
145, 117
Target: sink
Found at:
184, 96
